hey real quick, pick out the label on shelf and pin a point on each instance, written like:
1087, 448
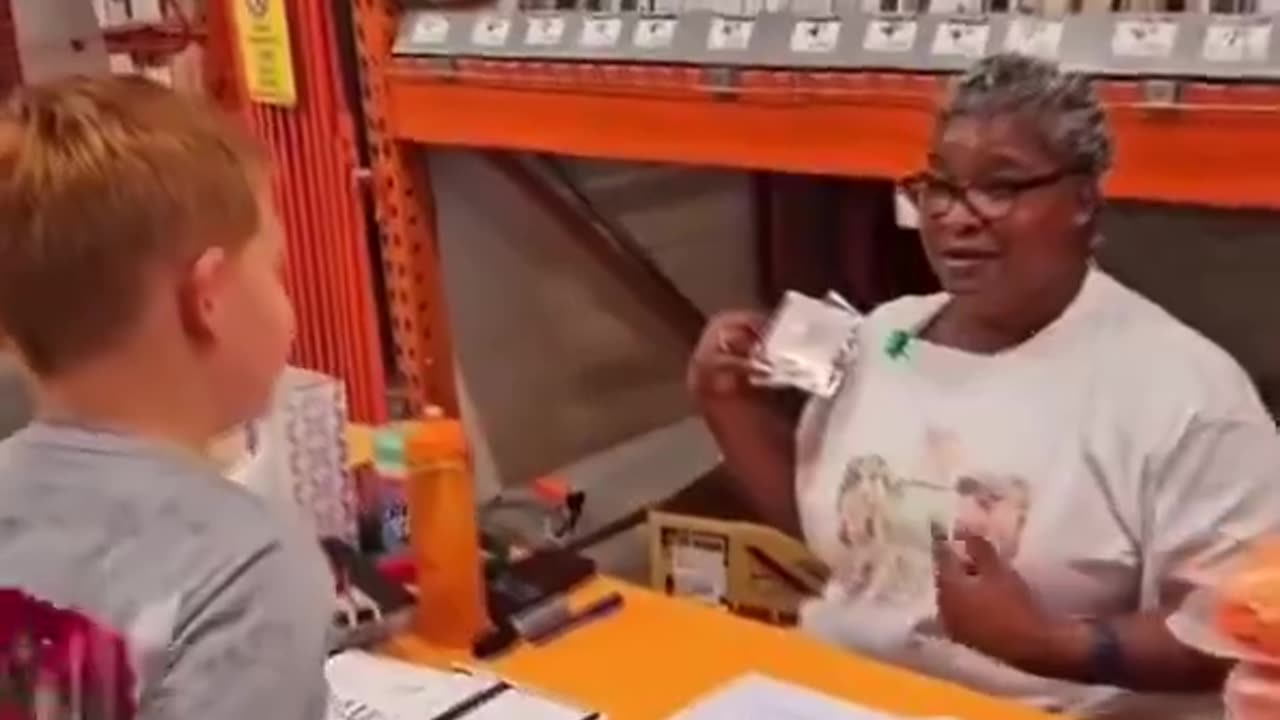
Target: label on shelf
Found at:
600, 32
544, 30
962, 38
730, 33
652, 33
890, 35
491, 31
815, 36
430, 29
1036, 37
1144, 38
1238, 42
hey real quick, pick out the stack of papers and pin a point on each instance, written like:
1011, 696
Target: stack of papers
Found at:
369, 687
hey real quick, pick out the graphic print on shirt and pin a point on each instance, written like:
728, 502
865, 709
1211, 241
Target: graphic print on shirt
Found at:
57, 663
888, 518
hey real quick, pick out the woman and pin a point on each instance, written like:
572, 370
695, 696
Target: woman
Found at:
1140, 452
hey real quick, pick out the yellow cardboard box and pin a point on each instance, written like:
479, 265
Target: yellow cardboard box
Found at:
705, 545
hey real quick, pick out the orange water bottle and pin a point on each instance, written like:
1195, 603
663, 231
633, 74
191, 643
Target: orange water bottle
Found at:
443, 534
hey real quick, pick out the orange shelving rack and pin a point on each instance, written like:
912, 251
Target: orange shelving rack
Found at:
1214, 145
314, 146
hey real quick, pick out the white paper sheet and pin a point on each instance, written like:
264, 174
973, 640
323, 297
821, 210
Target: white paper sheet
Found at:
756, 697
369, 687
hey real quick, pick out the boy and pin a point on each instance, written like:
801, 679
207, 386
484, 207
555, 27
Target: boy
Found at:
139, 285
14, 412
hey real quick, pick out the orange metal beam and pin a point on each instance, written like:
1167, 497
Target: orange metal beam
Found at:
847, 139
1217, 149
406, 215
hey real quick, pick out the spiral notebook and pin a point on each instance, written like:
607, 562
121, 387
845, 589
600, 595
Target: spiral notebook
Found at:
369, 687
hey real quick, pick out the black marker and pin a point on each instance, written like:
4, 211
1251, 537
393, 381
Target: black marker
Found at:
466, 707
602, 608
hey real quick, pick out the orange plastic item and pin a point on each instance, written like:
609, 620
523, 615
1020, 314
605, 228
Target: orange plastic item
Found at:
552, 490
1249, 611
443, 535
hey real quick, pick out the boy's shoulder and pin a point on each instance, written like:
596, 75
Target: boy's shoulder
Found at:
101, 474
77, 506
187, 566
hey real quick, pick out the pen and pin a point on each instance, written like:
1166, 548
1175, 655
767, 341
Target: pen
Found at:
466, 707
602, 608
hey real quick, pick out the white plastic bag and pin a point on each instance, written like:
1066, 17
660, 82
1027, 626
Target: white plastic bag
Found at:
1253, 692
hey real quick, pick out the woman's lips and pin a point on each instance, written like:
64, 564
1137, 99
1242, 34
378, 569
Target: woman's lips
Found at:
967, 263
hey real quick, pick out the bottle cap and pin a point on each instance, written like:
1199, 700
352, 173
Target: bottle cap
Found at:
388, 450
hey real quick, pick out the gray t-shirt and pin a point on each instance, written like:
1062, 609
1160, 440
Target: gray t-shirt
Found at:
15, 400
225, 610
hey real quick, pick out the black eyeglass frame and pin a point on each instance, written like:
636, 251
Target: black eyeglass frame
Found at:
1004, 193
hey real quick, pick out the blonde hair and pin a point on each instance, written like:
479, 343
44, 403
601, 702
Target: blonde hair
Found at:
102, 182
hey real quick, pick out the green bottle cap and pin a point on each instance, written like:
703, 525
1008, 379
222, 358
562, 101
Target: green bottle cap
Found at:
388, 452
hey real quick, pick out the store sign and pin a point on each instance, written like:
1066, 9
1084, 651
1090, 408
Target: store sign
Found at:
266, 51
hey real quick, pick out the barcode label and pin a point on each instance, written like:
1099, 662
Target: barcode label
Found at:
962, 38
1034, 37
430, 30
815, 36
1238, 43
601, 32
730, 34
491, 31
890, 35
1144, 38
544, 30
652, 33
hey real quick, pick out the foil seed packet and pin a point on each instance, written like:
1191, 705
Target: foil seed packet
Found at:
808, 344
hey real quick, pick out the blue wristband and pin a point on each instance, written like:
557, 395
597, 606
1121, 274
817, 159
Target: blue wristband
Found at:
1106, 655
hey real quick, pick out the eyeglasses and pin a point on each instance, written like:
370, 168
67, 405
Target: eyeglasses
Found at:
935, 195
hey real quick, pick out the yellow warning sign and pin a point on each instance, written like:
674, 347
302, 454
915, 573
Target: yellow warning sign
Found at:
266, 51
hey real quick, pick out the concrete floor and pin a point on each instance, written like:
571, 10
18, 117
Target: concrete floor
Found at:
628, 477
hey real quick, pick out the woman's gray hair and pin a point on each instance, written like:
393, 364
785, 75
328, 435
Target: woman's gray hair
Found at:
1064, 106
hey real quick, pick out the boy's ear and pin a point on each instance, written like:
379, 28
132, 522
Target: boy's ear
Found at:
200, 305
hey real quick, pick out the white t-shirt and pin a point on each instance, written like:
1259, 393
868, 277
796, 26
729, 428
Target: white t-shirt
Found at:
1115, 456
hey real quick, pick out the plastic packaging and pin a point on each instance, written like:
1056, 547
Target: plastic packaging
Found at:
444, 535
1237, 617
294, 457
1253, 692
392, 472
808, 344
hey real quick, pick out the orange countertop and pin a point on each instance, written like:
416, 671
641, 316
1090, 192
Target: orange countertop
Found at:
659, 654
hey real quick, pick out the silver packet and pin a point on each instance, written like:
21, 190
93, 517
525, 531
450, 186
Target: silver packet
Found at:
807, 344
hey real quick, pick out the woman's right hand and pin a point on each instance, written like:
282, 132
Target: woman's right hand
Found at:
721, 365
755, 434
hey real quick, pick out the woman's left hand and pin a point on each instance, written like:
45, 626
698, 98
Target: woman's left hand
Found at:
986, 605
